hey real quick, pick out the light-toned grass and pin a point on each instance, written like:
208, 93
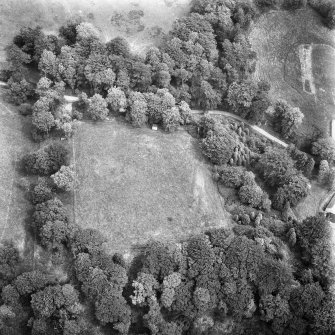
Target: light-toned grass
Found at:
276, 37
138, 184
311, 204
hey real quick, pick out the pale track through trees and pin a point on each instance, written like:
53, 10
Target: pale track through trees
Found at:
255, 128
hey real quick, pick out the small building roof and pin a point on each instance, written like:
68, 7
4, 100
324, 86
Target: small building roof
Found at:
333, 129
331, 206
70, 98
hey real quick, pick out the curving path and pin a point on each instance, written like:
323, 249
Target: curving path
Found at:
70, 99
236, 117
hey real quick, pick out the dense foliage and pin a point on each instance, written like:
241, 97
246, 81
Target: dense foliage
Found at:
238, 280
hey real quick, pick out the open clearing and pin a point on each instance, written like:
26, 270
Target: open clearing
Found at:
142, 22
288, 45
311, 204
138, 184
14, 141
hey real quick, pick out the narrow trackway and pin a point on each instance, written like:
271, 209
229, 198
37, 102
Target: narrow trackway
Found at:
70, 99
236, 117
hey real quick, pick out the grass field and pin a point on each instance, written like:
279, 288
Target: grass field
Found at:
14, 206
277, 38
142, 22
138, 184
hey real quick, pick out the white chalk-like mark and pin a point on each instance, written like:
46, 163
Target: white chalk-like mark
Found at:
305, 56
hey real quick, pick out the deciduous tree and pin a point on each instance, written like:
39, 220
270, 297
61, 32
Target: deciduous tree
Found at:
171, 119
19, 91
117, 100
287, 118
219, 146
97, 108
65, 178
324, 148
137, 112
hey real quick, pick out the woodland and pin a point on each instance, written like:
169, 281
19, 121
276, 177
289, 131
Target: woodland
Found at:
269, 273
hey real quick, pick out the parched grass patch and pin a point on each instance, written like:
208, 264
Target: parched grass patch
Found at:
277, 37
142, 22
138, 184
323, 57
311, 204
14, 204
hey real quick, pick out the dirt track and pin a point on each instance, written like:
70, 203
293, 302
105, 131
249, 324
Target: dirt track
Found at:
255, 128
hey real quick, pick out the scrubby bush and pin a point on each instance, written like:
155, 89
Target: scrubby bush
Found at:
19, 91
171, 119
185, 113
64, 178
111, 307
276, 166
251, 194
97, 108
231, 176
293, 191
219, 145
287, 118
31, 282
303, 162
42, 192
324, 148
25, 109
158, 260
117, 100
137, 111
240, 96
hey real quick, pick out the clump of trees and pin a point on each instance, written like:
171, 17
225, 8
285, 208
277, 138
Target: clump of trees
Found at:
278, 171
97, 108
46, 161
116, 100
287, 119
219, 145
313, 239
64, 178
19, 91
303, 162
244, 181
324, 149
42, 191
